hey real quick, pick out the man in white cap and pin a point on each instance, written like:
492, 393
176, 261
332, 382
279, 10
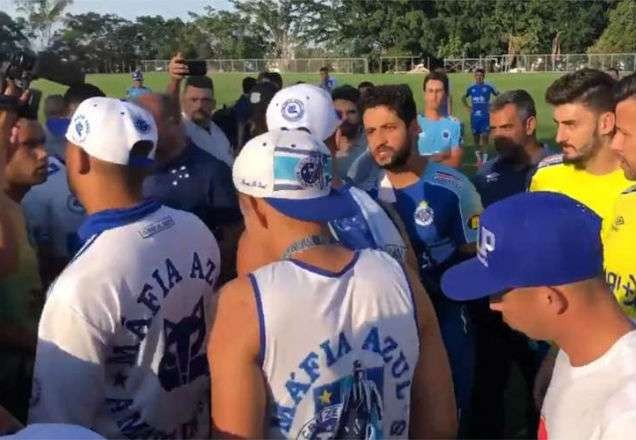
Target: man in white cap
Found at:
323, 341
121, 345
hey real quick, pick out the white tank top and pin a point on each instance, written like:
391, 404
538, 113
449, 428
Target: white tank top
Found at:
338, 350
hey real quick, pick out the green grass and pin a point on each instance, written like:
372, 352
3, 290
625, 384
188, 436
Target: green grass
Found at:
228, 88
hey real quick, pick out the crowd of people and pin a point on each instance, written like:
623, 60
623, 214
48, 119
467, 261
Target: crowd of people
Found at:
310, 263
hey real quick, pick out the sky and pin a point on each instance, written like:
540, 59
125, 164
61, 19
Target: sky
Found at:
130, 9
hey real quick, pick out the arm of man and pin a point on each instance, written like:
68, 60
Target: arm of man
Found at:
456, 152
433, 408
178, 70
8, 250
69, 367
465, 99
238, 388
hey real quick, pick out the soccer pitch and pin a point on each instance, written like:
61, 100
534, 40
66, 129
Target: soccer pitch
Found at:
228, 88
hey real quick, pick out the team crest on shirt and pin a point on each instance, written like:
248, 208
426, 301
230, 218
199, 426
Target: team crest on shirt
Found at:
423, 214
473, 222
445, 134
618, 222
82, 127
348, 408
484, 89
292, 110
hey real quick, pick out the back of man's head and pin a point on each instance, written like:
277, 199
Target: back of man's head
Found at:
625, 88
248, 83
200, 82
436, 76
397, 98
590, 87
54, 106
78, 93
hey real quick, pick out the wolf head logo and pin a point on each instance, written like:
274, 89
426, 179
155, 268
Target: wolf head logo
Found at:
184, 355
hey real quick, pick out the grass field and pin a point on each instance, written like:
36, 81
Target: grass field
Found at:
228, 88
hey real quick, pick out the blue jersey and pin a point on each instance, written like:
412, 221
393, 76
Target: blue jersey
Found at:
135, 92
480, 98
438, 136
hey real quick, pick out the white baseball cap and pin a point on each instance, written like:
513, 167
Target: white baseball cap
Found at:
108, 129
303, 106
292, 171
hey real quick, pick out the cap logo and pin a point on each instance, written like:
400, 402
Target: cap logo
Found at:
292, 110
141, 124
485, 245
82, 127
309, 172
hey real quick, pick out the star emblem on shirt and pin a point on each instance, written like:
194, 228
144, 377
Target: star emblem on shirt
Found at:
120, 379
325, 397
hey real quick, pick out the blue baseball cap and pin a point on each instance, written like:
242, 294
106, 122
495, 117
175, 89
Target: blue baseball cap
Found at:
529, 240
292, 171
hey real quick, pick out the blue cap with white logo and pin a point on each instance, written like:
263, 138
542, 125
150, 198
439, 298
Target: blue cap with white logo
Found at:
529, 240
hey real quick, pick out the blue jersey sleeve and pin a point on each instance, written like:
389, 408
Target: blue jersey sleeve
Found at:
466, 219
456, 135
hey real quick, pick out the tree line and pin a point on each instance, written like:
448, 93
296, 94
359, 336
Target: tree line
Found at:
317, 28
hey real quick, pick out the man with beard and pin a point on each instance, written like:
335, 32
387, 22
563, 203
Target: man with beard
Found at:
620, 253
350, 139
197, 105
587, 170
513, 123
440, 209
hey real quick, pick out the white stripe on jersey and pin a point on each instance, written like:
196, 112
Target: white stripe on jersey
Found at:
335, 342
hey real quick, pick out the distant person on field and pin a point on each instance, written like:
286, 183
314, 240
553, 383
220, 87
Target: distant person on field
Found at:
138, 87
441, 136
197, 105
540, 260
326, 82
480, 94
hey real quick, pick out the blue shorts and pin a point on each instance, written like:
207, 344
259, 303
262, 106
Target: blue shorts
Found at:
480, 124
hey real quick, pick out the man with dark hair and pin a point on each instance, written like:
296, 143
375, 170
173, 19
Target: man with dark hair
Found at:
350, 139
189, 178
441, 135
197, 105
54, 107
326, 82
587, 170
364, 87
440, 209
480, 94
138, 87
21, 295
620, 253
513, 123
614, 73
272, 77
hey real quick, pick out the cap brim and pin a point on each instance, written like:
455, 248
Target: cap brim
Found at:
320, 209
471, 280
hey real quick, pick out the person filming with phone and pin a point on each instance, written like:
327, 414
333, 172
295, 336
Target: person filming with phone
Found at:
198, 104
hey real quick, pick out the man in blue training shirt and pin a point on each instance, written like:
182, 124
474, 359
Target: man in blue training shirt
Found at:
480, 94
440, 210
441, 135
138, 87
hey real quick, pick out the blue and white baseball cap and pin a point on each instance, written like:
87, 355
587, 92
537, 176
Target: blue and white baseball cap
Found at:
292, 171
529, 240
303, 106
108, 129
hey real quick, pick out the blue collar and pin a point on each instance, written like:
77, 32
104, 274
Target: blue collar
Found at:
112, 218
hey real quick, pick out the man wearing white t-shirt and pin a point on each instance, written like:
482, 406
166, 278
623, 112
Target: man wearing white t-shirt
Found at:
121, 341
540, 260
